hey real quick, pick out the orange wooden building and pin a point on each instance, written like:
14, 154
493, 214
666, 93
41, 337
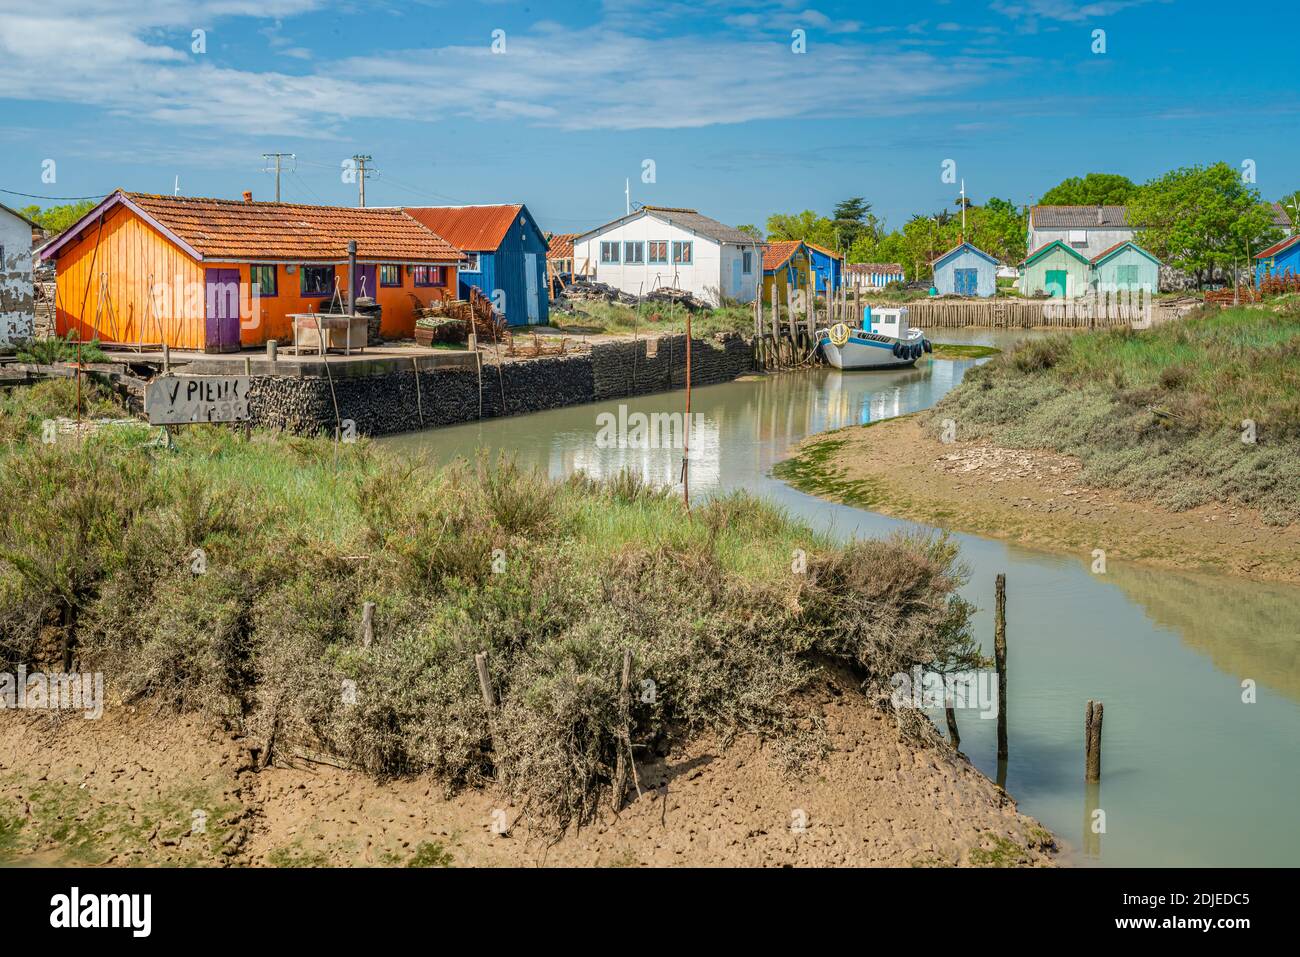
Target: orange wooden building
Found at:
154, 269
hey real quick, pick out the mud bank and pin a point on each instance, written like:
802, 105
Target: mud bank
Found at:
1033, 498
141, 790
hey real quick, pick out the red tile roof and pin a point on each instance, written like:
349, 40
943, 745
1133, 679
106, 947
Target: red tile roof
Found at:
1277, 247
475, 228
874, 269
561, 246
233, 229
775, 254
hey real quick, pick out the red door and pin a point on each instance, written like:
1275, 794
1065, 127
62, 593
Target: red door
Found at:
222, 326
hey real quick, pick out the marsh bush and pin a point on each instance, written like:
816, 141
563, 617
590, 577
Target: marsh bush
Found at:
1159, 412
724, 636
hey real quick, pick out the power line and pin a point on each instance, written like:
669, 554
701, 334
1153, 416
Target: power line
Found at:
34, 196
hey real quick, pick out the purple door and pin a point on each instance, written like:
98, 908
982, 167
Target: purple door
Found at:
222, 299
366, 283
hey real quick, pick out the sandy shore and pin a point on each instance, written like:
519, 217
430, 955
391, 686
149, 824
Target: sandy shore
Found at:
128, 789
1032, 498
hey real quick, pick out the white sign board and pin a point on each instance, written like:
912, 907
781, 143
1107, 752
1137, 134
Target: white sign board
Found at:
180, 400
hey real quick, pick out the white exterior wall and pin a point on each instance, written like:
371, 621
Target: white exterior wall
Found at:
710, 271
17, 302
1099, 240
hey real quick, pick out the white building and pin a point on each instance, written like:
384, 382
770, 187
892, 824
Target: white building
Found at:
657, 247
17, 294
1088, 230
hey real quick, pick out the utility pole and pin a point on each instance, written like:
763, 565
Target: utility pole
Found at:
277, 157
361, 162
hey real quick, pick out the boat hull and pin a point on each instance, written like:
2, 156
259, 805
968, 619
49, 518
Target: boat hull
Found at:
863, 354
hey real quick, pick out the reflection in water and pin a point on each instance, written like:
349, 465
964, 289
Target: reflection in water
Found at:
1193, 775
1249, 634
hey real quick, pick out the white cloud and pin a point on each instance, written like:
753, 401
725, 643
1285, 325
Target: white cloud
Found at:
1068, 11
137, 62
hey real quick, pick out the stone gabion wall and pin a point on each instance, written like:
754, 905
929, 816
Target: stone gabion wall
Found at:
626, 368
388, 403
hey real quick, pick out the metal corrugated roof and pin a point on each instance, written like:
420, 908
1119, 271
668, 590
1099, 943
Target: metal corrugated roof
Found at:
822, 249
1107, 253
1079, 217
959, 247
688, 219
1277, 247
476, 228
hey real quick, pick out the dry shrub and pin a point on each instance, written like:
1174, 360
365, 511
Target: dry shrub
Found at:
269, 634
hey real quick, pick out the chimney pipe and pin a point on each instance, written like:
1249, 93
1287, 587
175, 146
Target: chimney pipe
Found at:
1098, 214
248, 195
352, 274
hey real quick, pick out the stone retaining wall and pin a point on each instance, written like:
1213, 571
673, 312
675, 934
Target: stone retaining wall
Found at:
397, 401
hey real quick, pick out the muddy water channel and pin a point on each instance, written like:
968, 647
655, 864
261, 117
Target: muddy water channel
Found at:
1192, 775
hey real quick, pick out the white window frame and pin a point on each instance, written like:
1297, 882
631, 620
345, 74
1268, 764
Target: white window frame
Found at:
472, 265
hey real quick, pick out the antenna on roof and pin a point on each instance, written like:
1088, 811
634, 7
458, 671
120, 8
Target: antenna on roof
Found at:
627, 197
176, 190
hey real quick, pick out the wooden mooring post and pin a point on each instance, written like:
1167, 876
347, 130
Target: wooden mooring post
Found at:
367, 624
625, 719
489, 703
1092, 742
1000, 657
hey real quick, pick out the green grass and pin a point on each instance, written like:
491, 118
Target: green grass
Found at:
953, 350
729, 610
431, 854
1161, 412
648, 318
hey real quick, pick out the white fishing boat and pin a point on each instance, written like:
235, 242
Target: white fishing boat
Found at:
884, 341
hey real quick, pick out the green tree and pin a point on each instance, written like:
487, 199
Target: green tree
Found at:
55, 219
806, 226
852, 218
1095, 189
1202, 219
999, 228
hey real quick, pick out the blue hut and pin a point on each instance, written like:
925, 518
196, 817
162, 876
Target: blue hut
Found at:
966, 271
1279, 260
827, 268
507, 255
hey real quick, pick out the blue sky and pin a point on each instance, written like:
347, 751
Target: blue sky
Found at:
737, 123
